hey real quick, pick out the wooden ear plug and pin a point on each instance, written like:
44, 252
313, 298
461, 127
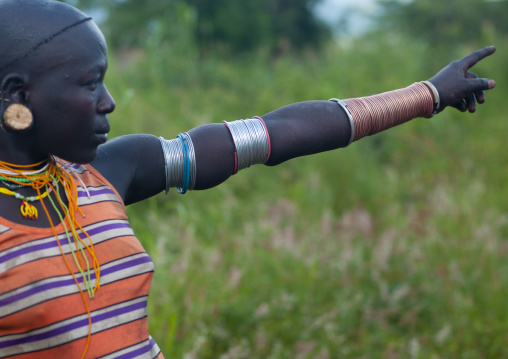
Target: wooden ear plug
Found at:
17, 117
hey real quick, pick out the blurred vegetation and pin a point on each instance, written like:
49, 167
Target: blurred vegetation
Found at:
227, 25
443, 24
235, 28
392, 248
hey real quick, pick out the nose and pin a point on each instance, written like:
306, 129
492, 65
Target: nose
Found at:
107, 103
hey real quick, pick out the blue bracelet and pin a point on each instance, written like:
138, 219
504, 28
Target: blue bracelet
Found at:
186, 165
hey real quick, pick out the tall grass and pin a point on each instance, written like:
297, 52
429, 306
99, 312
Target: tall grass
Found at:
392, 248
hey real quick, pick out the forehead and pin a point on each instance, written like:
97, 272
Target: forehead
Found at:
26, 25
76, 50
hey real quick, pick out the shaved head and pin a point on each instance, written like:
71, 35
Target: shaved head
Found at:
27, 25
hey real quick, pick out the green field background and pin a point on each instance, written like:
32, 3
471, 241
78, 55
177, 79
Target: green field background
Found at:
395, 247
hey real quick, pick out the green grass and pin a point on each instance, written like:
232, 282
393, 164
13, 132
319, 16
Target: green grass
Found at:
392, 248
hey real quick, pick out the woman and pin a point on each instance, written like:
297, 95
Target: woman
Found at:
74, 279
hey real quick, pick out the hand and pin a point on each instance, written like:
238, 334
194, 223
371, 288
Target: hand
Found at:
460, 88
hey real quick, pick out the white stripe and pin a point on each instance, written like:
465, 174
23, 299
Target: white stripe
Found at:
55, 251
3, 229
94, 198
69, 167
74, 334
126, 350
51, 293
154, 351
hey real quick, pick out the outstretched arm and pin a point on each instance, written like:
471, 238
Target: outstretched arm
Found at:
136, 164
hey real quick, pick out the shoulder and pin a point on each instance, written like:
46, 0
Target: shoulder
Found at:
133, 164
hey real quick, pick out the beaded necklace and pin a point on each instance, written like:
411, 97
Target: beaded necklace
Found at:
45, 180
27, 210
6, 181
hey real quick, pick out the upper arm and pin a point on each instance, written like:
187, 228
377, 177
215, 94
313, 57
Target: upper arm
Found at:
134, 165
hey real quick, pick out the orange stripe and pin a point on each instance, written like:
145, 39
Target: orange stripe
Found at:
69, 306
102, 343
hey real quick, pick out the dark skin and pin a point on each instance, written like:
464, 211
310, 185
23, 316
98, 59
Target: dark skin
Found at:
63, 85
295, 130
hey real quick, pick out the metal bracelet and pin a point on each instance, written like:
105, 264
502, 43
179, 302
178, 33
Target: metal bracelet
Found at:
175, 162
251, 142
435, 92
350, 118
192, 162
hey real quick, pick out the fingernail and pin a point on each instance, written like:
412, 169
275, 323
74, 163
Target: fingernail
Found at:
492, 84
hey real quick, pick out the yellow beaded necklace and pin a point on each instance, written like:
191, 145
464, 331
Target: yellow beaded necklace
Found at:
27, 210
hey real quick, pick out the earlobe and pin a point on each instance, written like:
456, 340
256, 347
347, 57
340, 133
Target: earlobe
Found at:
15, 115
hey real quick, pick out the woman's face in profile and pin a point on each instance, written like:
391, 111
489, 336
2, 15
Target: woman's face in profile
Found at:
68, 96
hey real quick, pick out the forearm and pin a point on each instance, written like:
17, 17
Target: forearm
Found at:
306, 128
316, 126
373, 114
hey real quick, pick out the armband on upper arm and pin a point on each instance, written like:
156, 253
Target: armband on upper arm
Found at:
179, 162
251, 140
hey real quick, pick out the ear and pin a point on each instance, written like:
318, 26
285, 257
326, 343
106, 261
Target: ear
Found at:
15, 115
14, 89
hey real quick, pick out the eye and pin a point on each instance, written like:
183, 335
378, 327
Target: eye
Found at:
92, 84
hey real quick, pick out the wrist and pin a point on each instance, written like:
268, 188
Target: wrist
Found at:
435, 96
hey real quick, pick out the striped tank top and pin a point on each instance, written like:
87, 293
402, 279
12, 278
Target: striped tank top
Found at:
42, 314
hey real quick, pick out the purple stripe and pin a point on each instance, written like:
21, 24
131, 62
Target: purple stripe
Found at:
126, 265
96, 192
104, 228
72, 165
67, 282
63, 242
145, 349
76, 325
33, 291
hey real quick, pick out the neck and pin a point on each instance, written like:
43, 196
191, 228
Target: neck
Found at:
17, 149
26, 162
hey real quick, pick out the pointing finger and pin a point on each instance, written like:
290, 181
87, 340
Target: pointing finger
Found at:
470, 60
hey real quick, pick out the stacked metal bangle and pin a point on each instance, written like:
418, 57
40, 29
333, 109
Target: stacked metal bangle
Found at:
373, 114
180, 162
251, 142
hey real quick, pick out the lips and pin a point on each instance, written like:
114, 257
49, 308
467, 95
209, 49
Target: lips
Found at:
100, 137
105, 127
102, 134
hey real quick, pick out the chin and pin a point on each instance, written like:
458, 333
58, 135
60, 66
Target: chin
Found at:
80, 158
